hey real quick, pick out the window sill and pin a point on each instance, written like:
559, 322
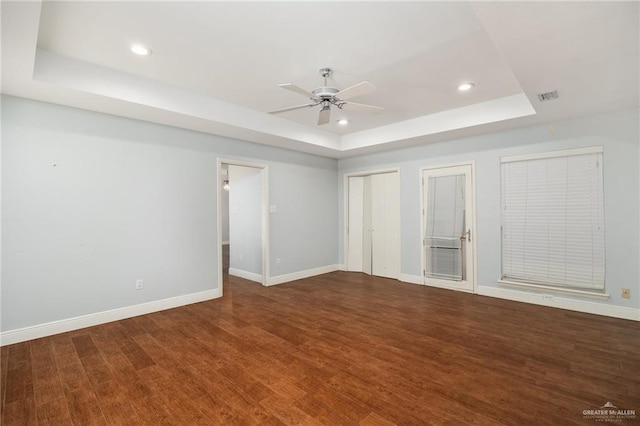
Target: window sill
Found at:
576, 292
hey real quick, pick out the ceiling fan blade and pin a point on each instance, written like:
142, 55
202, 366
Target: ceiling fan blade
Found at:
370, 109
296, 89
278, 111
355, 90
323, 117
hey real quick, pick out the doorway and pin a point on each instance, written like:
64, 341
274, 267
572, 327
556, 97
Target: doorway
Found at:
373, 224
448, 227
243, 220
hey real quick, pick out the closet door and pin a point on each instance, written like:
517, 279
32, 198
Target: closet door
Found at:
367, 226
373, 241
385, 225
355, 224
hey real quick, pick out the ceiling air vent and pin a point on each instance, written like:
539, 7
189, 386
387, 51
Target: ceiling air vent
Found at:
548, 96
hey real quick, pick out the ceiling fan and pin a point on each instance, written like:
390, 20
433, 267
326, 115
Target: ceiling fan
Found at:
326, 96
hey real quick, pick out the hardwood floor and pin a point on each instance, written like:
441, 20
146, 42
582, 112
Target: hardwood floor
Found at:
338, 349
225, 258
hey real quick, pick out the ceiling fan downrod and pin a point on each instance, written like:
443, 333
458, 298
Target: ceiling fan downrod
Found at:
326, 73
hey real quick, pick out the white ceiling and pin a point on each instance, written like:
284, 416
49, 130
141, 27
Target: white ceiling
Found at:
216, 65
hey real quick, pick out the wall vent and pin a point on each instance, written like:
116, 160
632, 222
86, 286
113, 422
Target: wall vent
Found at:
548, 96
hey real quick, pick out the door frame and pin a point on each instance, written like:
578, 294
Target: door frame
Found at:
474, 239
345, 223
264, 175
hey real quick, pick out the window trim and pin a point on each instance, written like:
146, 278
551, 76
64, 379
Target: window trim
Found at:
552, 154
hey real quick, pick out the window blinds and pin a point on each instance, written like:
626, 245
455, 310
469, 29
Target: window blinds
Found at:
553, 219
445, 226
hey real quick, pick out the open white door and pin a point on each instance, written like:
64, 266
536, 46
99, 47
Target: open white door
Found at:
448, 249
245, 223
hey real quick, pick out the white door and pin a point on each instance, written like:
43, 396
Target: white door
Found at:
245, 223
373, 240
448, 249
385, 225
355, 224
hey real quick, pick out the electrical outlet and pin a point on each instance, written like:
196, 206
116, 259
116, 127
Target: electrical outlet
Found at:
626, 293
547, 297
277, 261
139, 285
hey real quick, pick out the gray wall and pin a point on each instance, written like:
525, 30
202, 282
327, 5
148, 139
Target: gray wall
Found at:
617, 132
307, 211
92, 202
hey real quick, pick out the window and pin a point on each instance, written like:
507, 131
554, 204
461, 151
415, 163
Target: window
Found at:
553, 219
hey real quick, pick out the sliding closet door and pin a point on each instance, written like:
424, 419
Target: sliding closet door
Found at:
367, 226
385, 225
373, 224
355, 224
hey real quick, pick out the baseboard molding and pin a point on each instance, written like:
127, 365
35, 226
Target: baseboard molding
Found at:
415, 279
62, 326
545, 300
411, 279
55, 327
251, 276
561, 302
281, 279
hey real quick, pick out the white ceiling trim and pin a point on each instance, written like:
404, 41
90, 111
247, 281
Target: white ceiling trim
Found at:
90, 78
506, 108
98, 80
594, 71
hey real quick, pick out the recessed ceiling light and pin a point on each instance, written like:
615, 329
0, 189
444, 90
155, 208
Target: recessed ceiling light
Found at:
343, 122
140, 49
465, 86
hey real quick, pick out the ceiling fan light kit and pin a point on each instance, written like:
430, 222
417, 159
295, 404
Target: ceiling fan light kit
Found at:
327, 96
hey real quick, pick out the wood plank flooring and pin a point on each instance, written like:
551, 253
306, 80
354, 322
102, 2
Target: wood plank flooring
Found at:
338, 349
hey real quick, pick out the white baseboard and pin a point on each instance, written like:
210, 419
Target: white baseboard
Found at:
251, 276
412, 279
556, 301
342, 267
415, 279
281, 279
62, 326
70, 324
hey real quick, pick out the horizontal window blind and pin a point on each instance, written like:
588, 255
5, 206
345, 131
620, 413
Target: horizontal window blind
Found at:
553, 219
445, 226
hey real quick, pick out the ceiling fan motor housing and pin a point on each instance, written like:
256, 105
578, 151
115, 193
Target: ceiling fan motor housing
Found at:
325, 92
